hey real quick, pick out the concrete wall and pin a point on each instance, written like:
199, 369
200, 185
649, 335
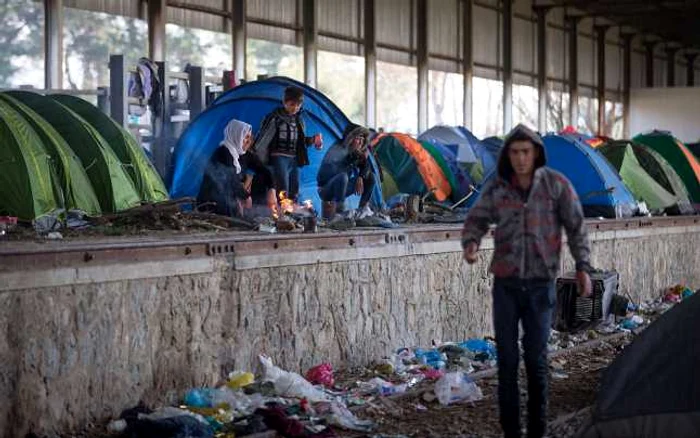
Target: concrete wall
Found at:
669, 109
94, 343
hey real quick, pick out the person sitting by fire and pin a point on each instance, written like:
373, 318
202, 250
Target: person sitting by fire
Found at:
223, 190
346, 170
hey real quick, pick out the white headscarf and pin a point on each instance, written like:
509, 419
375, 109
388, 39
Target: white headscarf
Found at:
234, 133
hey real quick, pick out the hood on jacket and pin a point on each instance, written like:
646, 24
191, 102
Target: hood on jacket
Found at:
351, 131
519, 133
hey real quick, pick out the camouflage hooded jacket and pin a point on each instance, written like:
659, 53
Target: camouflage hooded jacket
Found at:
528, 234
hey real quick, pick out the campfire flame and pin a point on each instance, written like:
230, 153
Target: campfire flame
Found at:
287, 206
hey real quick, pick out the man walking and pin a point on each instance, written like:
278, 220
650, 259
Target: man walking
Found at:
529, 204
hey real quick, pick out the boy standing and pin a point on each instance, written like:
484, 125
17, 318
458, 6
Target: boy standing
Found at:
281, 142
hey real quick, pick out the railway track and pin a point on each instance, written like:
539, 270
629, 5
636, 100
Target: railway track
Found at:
31, 255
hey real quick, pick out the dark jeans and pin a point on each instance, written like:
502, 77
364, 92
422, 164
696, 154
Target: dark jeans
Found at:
342, 185
286, 173
532, 302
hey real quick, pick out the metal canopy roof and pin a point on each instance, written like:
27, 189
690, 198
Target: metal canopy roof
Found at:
673, 21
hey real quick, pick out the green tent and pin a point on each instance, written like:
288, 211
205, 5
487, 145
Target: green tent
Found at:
440, 160
144, 176
26, 174
683, 161
648, 176
76, 190
109, 179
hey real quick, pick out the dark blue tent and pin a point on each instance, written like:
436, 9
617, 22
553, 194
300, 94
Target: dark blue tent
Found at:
470, 160
250, 103
597, 184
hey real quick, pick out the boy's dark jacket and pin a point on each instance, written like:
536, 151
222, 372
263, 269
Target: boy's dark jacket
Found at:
527, 239
268, 134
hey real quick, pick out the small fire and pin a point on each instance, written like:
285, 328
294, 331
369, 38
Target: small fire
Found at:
286, 204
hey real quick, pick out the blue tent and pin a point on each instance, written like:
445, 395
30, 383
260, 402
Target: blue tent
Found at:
597, 184
250, 103
470, 160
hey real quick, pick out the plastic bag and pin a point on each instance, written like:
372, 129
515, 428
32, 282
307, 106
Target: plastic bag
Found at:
341, 416
289, 384
321, 375
457, 387
239, 379
387, 388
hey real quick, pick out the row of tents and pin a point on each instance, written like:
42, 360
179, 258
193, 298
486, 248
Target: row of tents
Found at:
60, 153
611, 177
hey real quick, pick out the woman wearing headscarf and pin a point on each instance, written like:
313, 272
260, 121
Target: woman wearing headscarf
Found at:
222, 187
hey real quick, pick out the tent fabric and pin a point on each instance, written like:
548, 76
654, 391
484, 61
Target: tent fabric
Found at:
449, 135
250, 103
694, 148
110, 181
144, 176
413, 169
648, 176
446, 169
76, 191
683, 161
26, 186
599, 187
650, 389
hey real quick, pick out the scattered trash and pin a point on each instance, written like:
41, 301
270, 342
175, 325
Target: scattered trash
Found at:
385, 388
457, 387
420, 407
321, 375
239, 379
290, 384
54, 235
341, 416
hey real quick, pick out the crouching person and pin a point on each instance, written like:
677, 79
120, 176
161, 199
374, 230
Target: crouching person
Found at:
223, 190
346, 170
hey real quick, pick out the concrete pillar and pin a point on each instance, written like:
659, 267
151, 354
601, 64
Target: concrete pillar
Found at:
370, 63
53, 44
157, 17
310, 14
573, 69
423, 70
238, 37
468, 61
600, 52
542, 67
690, 59
507, 65
671, 66
118, 88
649, 47
626, 80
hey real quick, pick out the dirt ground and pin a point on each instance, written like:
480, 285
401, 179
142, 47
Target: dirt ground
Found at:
572, 393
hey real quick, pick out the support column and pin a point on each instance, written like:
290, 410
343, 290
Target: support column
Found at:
370, 63
690, 74
626, 80
238, 37
671, 66
600, 52
422, 59
468, 61
507, 65
541, 12
310, 14
53, 44
573, 69
157, 17
649, 47
118, 87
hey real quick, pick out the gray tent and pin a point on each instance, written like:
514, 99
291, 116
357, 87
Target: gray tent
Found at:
652, 389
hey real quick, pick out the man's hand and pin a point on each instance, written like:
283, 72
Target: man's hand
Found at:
584, 283
318, 141
359, 186
470, 253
